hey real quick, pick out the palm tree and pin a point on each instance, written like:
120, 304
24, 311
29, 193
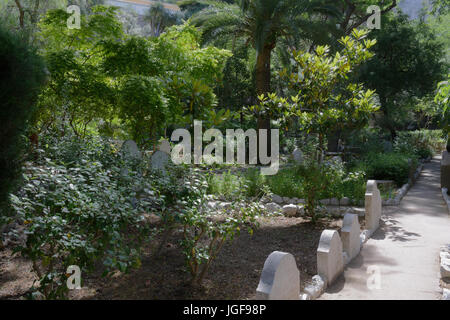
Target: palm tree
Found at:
160, 18
263, 24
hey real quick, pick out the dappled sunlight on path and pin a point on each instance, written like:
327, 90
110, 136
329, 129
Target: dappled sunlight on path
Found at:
405, 249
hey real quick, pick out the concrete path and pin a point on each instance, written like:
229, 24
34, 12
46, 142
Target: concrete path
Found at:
405, 249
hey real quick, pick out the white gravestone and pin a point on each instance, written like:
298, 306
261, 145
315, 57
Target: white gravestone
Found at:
373, 206
330, 262
130, 149
280, 278
350, 234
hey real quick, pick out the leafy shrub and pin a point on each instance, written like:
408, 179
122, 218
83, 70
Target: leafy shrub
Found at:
227, 185
204, 234
21, 75
286, 183
389, 166
315, 182
354, 185
422, 143
255, 183
76, 216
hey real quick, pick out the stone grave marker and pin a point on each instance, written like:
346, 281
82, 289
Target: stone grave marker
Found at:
350, 234
373, 206
280, 278
130, 149
297, 154
330, 261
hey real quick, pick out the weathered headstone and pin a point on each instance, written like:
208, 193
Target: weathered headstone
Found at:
373, 206
280, 278
130, 149
297, 154
350, 234
445, 170
159, 161
330, 262
387, 146
164, 146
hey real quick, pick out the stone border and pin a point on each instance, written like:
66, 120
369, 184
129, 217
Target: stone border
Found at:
446, 198
444, 260
334, 252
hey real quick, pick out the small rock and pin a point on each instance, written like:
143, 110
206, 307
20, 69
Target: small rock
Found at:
287, 200
272, 207
277, 199
445, 268
325, 201
290, 210
315, 289
446, 294
300, 210
334, 202
211, 204
305, 296
224, 205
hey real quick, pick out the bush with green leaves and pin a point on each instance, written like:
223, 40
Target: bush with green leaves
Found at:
76, 216
226, 185
422, 143
204, 232
442, 99
389, 166
21, 76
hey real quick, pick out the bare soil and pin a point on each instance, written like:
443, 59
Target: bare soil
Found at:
233, 275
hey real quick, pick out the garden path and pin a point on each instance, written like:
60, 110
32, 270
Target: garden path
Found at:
405, 249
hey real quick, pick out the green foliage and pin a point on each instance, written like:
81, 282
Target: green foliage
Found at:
237, 87
78, 91
227, 185
21, 77
99, 75
76, 216
389, 166
442, 99
286, 183
325, 100
255, 183
143, 105
422, 143
408, 63
204, 234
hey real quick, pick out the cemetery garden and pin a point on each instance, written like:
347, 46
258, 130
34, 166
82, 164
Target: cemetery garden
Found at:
217, 150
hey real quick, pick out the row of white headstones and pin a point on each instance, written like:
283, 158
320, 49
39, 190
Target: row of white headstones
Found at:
280, 278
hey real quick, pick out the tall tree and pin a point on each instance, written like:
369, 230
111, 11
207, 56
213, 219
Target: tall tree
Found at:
408, 63
160, 18
262, 23
21, 76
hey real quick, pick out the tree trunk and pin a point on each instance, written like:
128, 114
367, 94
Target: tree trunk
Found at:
262, 70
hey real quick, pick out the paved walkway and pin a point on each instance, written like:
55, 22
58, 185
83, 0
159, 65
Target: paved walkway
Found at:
405, 248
